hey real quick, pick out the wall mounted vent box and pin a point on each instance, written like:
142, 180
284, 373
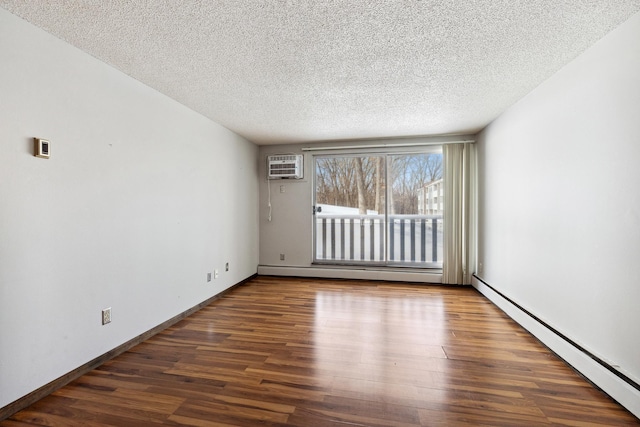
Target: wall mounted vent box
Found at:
285, 166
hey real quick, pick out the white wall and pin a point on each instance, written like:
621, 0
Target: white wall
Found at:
559, 203
289, 231
140, 200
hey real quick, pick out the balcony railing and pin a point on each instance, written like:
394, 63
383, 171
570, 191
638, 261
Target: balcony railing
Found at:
414, 240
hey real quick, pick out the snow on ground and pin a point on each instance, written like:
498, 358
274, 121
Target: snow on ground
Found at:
342, 210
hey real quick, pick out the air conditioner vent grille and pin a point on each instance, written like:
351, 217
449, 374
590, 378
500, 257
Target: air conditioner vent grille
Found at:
285, 166
289, 157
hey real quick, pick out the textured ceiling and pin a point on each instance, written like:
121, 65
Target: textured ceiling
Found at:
280, 71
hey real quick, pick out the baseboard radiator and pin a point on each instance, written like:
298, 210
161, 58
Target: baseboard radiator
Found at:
618, 386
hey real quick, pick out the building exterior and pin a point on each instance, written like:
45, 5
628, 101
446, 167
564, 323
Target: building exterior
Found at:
430, 199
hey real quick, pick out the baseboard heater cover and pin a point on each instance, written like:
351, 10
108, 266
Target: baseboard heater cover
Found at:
327, 272
616, 384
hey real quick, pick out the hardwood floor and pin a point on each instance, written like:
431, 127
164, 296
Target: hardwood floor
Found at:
304, 352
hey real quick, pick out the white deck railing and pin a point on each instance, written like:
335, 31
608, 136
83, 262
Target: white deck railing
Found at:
413, 239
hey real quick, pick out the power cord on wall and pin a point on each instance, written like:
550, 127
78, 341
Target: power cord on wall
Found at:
269, 204
269, 184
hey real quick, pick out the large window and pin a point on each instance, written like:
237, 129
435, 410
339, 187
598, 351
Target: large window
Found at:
383, 209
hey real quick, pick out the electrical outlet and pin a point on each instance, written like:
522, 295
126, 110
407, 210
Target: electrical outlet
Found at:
282, 189
226, 267
208, 277
215, 274
281, 257
106, 316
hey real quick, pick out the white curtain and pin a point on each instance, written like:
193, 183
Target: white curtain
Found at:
460, 201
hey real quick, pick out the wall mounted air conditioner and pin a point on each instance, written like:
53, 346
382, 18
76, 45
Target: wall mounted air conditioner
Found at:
285, 166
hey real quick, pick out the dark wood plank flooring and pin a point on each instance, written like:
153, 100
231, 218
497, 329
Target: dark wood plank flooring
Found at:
304, 352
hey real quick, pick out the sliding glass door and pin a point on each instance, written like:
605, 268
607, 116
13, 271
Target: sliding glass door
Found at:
350, 209
379, 209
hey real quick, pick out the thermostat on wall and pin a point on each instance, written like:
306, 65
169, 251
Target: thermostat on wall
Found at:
42, 148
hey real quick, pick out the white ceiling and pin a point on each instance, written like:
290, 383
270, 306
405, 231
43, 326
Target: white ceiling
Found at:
281, 71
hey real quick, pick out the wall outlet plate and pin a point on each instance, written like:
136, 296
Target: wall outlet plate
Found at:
215, 274
208, 277
226, 267
106, 316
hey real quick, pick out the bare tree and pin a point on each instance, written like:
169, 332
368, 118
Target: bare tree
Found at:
359, 182
378, 204
362, 204
408, 174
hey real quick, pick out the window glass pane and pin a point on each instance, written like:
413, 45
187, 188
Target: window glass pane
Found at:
350, 207
360, 219
415, 209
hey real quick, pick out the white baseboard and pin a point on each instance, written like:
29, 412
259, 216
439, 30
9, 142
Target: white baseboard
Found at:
398, 275
620, 390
